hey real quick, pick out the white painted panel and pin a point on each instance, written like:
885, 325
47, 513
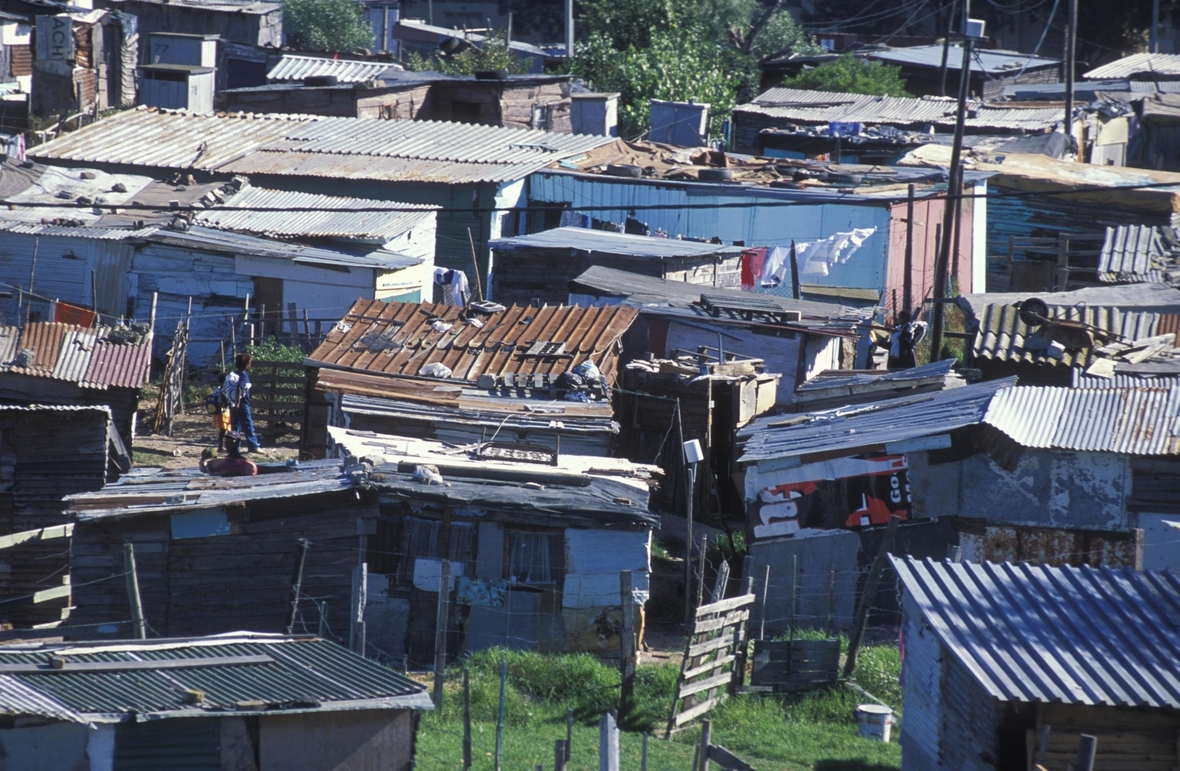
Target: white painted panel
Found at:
594, 559
979, 241
1161, 542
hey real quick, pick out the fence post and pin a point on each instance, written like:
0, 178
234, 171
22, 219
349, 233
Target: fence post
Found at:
762, 615
356, 621
500, 717
706, 740
559, 748
627, 636
608, 743
870, 594
466, 721
133, 600
440, 632
643, 758
1087, 749
569, 733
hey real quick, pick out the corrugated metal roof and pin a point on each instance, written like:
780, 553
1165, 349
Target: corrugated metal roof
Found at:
393, 338
1079, 379
869, 425
171, 490
821, 107
991, 61
86, 356
606, 242
1136, 254
415, 151
169, 139
1002, 335
296, 68
249, 7
336, 216
1130, 421
18, 698
208, 240
1094, 636
302, 675
1167, 65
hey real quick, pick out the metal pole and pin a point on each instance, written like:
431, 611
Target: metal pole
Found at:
139, 626
954, 188
946, 44
466, 721
907, 291
569, 30
692, 485
1154, 47
1071, 37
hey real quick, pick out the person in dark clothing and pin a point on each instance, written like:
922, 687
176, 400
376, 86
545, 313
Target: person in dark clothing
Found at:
237, 394
903, 340
232, 465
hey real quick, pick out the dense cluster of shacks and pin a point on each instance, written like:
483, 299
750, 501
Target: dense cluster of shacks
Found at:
516, 454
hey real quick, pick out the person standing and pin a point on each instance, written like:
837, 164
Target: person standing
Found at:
237, 394
903, 340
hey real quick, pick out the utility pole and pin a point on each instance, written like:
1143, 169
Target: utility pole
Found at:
954, 188
1154, 46
569, 30
138, 626
1071, 39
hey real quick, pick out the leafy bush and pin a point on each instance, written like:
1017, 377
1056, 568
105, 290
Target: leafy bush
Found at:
270, 349
326, 25
491, 55
848, 74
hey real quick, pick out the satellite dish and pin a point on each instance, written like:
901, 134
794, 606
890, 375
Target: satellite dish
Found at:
1033, 312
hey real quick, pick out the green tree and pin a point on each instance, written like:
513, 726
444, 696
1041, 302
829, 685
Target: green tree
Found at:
671, 66
490, 55
851, 75
326, 25
693, 49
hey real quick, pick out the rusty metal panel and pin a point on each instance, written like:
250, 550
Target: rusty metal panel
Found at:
401, 338
119, 365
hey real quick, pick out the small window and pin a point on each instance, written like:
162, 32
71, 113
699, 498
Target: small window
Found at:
465, 112
420, 539
200, 524
533, 558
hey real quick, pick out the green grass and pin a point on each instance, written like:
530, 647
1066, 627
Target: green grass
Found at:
773, 733
143, 456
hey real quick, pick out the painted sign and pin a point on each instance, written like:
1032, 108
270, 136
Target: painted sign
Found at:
841, 493
55, 38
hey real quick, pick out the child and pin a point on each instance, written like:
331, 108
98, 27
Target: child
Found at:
217, 407
237, 394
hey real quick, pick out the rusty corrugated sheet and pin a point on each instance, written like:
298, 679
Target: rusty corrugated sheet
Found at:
397, 339
119, 365
76, 354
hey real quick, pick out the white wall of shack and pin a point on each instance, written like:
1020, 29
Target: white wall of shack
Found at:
65, 268
922, 693
754, 226
1048, 488
177, 274
594, 559
979, 239
57, 746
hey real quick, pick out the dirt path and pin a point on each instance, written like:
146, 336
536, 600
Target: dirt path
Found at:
192, 432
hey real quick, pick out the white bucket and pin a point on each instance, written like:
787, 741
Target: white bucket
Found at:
874, 721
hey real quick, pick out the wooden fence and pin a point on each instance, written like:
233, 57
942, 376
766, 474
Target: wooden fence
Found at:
278, 393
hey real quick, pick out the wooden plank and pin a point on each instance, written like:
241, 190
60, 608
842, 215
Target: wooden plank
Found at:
727, 760
41, 534
709, 666
733, 603
717, 681
713, 624
123, 666
699, 649
692, 713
